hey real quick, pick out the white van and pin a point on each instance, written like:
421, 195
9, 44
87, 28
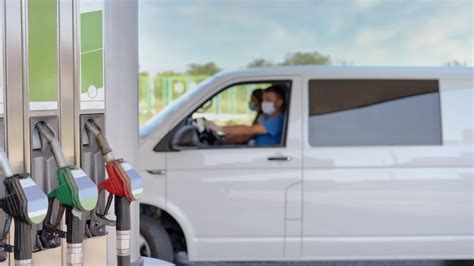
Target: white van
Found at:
374, 163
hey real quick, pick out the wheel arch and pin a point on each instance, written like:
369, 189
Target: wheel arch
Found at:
173, 222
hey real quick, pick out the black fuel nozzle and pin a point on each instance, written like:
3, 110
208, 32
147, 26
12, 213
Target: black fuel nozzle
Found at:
98, 222
5, 247
51, 233
26, 203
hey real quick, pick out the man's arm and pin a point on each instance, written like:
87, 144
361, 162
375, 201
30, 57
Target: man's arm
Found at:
237, 134
242, 134
252, 130
237, 139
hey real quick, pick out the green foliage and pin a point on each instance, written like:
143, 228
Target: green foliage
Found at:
169, 73
303, 58
209, 68
455, 63
344, 62
259, 62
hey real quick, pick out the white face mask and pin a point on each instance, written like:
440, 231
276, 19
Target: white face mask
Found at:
268, 108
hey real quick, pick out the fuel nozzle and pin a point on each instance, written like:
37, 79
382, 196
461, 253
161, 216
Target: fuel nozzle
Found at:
104, 146
123, 181
75, 188
76, 193
124, 184
26, 203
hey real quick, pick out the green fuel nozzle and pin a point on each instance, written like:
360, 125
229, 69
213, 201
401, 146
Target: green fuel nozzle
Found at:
76, 193
75, 188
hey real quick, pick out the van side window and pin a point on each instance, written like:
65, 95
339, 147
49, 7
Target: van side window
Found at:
235, 117
374, 112
235, 109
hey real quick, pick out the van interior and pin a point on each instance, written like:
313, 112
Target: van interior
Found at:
228, 107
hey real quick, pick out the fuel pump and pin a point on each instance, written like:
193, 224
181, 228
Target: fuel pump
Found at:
76, 193
125, 185
27, 204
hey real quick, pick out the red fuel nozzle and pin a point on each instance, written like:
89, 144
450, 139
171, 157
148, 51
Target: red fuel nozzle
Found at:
123, 180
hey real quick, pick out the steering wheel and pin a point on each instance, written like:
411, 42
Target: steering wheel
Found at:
209, 137
218, 139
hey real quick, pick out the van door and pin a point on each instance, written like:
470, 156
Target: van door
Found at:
241, 201
383, 176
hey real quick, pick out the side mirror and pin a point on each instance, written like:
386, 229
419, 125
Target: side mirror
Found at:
185, 138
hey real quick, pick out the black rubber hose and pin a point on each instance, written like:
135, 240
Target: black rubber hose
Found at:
75, 227
122, 211
23, 248
123, 260
123, 225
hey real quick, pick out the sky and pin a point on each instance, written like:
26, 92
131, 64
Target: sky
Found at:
176, 33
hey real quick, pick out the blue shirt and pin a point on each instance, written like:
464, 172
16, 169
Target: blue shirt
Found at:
274, 127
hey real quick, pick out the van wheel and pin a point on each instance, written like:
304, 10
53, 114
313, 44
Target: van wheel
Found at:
154, 240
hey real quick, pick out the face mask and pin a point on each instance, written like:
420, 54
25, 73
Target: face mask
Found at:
268, 108
252, 106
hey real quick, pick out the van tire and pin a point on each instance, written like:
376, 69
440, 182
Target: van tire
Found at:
459, 263
157, 238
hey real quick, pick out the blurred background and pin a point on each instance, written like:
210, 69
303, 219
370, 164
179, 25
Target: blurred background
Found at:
183, 42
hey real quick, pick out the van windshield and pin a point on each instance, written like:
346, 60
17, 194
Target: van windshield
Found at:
156, 121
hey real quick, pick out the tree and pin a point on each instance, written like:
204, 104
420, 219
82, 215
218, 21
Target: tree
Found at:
169, 73
455, 63
259, 62
344, 62
311, 58
209, 69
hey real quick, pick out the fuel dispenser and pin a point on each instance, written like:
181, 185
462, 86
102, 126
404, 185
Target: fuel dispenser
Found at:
58, 59
76, 193
124, 185
27, 204
92, 163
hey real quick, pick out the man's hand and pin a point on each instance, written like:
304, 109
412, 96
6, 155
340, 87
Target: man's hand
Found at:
200, 124
209, 125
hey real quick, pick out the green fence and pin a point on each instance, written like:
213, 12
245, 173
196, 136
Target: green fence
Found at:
158, 91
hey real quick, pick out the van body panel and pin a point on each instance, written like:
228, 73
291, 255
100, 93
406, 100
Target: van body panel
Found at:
385, 201
239, 190
327, 203
389, 202
457, 105
388, 248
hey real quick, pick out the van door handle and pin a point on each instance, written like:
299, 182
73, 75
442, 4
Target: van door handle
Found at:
157, 172
280, 158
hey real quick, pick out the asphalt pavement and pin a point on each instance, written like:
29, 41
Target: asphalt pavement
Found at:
324, 263
183, 261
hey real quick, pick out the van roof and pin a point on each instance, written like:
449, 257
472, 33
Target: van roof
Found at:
351, 71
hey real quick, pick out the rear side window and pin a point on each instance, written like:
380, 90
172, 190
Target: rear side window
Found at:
374, 112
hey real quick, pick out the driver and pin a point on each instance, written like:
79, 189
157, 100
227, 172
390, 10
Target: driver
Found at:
266, 132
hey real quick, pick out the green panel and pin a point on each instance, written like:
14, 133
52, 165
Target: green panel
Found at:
143, 80
42, 50
91, 70
91, 31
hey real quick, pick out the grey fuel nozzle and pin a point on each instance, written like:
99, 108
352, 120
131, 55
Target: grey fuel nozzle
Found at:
104, 146
5, 164
45, 131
